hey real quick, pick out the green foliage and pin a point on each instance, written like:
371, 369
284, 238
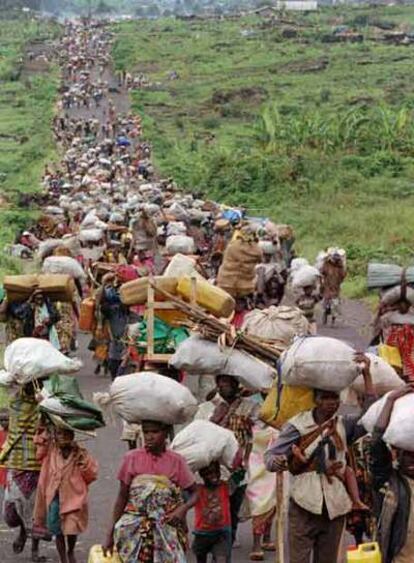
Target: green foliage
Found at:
317, 134
26, 112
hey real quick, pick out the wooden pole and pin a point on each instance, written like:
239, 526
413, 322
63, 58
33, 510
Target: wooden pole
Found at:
280, 519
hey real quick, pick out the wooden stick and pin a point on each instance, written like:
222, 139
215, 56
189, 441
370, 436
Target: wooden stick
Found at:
213, 328
280, 519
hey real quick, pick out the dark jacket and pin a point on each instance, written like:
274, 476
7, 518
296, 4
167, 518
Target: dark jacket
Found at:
25, 313
392, 503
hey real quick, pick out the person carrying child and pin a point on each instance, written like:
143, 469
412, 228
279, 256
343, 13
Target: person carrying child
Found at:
61, 504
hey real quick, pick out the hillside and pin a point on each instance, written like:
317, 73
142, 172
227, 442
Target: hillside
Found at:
27, 94
308, 120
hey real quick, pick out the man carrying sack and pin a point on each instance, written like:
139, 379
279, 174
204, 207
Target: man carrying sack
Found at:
313, 447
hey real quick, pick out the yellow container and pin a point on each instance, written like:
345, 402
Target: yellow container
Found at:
365, 553
390, 354
96, 556
210, 297
276, 410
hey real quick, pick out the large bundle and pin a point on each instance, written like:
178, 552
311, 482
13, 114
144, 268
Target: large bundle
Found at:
400, 430
395, 294
387, 275
199, 356
237, 273
135, 292
63, 265
278, 324
176, 228
64, 405
181, 265
27, 359
319, 362
297, 264
180, 244
215, 300
202, 442
305, 276
91, 235
58, 287
384, 377
149, 396
47, 247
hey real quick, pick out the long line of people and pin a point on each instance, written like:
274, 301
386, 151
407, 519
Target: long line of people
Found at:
107, 211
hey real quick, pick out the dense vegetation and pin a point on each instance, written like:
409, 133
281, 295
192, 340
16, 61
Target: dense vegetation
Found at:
27, 95
286, 119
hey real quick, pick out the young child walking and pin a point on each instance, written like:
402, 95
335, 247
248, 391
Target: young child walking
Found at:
212, 526
62, 495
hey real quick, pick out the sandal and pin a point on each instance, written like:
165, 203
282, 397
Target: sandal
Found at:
257, 556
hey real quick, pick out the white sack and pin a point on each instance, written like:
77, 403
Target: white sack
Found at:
305, 276
181, 266
31, 358
279, 324
91, 235
297, 264
400, 430
180, 244
63, 265
319, 362
148, 396
201, 357
178, 211
394, 295
176, 228
202, 442
384, 377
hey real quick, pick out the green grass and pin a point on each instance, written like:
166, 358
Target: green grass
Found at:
320, 135
26, 112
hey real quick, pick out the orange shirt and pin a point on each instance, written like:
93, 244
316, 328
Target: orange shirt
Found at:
70, 477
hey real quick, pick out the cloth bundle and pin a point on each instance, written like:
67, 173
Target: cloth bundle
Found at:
27, 359
201, 357
237, 273
64, 405
202, 442
319, 362
148, 396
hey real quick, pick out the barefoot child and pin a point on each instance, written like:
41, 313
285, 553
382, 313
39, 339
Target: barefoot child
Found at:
212, 526
62, 494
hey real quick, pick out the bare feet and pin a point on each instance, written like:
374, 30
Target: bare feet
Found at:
20, 541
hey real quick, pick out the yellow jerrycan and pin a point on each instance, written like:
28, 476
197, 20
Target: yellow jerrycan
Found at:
96, 556
364, 553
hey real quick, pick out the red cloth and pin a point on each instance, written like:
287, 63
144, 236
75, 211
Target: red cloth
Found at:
169, 464
402, 337
212, 511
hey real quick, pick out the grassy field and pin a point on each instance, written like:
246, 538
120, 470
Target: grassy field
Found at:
26, 111
317, 134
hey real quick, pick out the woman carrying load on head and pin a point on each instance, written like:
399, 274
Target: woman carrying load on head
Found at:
19, 456
148, 519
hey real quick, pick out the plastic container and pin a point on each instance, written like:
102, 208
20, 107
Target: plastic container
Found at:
87, 314
136, 292
210, 297
364, 553
96, 555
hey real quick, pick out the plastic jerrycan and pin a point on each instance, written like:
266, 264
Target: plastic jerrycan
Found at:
364, 553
